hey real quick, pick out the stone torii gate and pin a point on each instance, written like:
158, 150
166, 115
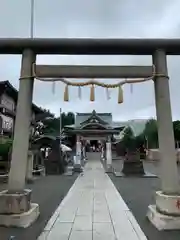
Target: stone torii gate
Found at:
15, 206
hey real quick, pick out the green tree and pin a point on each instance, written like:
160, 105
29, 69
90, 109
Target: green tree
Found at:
176, 128
67, 119
128, 138
140, 140
151, 133
149, 137
53, 124
70, 118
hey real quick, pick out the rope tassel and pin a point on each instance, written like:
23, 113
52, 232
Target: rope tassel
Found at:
120, 95
66, 94
92, 94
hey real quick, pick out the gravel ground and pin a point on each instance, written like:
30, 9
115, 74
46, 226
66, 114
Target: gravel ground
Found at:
48, 192
138, 193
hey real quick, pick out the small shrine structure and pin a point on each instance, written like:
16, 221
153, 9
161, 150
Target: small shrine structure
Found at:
91, 127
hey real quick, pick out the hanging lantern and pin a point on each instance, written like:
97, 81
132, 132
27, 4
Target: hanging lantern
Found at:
92, 94
66, 94
120, 95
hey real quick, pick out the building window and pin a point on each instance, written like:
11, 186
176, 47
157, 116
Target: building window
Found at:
7, 102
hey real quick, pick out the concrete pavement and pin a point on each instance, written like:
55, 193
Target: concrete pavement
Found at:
93, 209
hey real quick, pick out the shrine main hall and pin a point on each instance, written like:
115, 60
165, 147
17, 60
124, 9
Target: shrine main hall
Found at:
93, 129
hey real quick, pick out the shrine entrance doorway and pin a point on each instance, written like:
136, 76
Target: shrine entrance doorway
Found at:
94, 145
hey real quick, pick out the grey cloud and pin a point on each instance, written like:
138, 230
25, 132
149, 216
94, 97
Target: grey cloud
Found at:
103, 18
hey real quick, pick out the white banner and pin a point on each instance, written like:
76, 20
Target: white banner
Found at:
108, 153
78, 152
7, 122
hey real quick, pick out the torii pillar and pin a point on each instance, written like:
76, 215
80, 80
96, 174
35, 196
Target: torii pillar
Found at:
165, 214
16, 208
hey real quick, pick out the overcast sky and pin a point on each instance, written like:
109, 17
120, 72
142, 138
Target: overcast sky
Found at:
98, 19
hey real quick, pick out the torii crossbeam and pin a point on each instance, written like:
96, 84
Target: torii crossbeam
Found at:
165, 214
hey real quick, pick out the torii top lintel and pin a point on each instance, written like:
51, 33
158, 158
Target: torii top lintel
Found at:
90, 46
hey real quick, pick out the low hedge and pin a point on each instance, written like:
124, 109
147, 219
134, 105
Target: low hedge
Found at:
5, 148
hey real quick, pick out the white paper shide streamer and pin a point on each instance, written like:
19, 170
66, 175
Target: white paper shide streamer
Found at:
108, 94
79, 92
53, 87
131, 88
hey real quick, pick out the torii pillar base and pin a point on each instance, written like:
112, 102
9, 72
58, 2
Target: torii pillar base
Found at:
165, 215
16, 209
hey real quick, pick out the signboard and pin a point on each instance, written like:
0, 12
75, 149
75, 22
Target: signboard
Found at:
94, 138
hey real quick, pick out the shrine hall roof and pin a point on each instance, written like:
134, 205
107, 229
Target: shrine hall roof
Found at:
137, 126
82, 117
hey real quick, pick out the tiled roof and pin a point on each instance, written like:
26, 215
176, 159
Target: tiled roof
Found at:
13, 92
81, 117
137, 125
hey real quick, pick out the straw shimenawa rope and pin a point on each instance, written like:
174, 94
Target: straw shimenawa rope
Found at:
92, 83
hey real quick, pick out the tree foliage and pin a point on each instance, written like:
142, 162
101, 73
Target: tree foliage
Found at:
52, 125
149, 137
150, 134
128, 139
176, 128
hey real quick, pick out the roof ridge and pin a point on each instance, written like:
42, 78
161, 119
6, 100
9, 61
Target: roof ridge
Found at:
7, 82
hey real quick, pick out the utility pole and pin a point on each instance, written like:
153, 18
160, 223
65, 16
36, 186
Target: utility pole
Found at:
60, 126
32, 20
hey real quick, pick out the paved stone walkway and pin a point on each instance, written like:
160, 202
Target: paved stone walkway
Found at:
93, 210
